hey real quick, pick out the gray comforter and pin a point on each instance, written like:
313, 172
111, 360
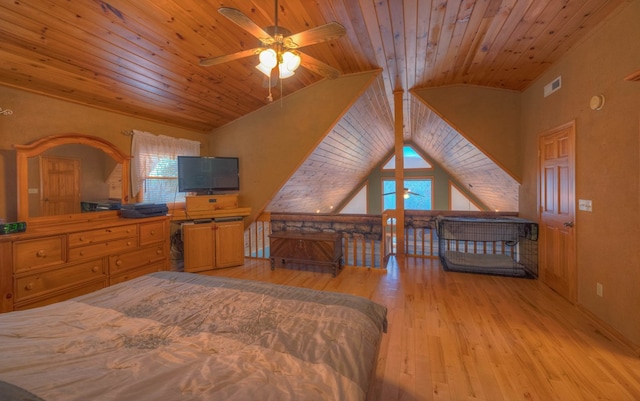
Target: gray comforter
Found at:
180, 336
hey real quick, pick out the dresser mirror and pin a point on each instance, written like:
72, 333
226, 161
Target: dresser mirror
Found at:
66, 176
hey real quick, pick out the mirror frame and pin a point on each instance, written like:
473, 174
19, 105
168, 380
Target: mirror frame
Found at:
36, 148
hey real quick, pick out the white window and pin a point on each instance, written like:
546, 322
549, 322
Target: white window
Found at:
154, 168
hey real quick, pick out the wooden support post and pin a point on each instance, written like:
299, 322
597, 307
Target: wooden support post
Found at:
399, 145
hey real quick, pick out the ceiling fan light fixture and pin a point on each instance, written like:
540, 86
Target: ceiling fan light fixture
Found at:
268, 60
266, 71
284, 71
291, 60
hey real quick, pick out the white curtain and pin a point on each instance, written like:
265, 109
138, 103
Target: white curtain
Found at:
148, 150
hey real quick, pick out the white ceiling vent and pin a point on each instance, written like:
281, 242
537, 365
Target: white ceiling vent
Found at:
552, 86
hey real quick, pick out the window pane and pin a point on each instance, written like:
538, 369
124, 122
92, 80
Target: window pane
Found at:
419, 194
162, 190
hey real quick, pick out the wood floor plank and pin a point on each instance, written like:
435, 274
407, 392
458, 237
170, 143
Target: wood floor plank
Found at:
459, 336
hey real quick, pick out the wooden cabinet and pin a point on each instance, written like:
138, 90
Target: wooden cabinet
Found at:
213, 245
316, 248
47, 264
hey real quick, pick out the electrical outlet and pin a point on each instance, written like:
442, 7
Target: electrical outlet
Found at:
599, 289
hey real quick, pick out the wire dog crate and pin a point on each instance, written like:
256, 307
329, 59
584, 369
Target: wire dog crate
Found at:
501, 246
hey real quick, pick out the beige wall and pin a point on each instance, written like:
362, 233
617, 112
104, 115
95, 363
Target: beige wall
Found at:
35, 116
275, 140
607, 163
487, 117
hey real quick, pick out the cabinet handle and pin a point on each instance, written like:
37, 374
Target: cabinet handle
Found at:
28, 287
41, 253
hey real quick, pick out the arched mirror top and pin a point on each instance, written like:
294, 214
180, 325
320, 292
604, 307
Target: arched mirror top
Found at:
95, 169
41, 145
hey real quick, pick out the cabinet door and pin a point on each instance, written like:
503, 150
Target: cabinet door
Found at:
199, 247
229, 244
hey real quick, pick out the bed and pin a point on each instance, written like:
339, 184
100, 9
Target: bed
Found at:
182, 336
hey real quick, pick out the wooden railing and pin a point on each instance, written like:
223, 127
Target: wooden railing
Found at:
361, 243
368, 240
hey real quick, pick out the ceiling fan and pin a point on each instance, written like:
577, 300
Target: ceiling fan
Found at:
406, 195
279, 48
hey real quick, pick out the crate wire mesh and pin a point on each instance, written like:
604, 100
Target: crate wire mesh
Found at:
501, 246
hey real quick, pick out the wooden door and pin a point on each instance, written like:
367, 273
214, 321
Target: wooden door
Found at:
557, 210
60, 181
199, 247
229, 244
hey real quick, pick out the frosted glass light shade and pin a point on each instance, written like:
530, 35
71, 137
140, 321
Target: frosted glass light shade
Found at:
291, 61
268, 58
266, 71
284, 71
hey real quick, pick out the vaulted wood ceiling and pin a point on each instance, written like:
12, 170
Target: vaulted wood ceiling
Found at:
140, 57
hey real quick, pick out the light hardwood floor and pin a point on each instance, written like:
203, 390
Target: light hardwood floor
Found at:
457, 336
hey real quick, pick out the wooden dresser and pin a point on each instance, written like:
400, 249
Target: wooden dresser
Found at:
48, 264
302, 247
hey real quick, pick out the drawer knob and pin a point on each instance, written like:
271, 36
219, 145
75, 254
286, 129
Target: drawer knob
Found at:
41, 253
129, 243
152, 232
28, 287
158, 251
94, 269
119, 262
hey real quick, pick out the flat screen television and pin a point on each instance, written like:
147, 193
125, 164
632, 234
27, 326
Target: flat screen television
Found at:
208, 175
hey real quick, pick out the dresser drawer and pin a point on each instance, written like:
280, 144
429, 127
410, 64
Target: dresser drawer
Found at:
152, 232
61, 296
139, 257
37, 253
102, 235
36, 284
140, 271
102, 249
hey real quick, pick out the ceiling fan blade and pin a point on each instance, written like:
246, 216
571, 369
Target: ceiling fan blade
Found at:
247, 24
318, 66
414, 193
388, 193
209, 61
319, 34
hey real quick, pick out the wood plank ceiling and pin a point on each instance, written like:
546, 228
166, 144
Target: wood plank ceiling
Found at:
140, 57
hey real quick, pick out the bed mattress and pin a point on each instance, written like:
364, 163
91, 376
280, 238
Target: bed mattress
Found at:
181, 336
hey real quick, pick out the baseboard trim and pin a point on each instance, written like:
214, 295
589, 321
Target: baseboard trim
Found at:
615, 334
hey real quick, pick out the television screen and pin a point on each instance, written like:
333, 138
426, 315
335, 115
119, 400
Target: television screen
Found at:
208, 175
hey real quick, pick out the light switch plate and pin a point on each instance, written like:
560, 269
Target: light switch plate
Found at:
584, 205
